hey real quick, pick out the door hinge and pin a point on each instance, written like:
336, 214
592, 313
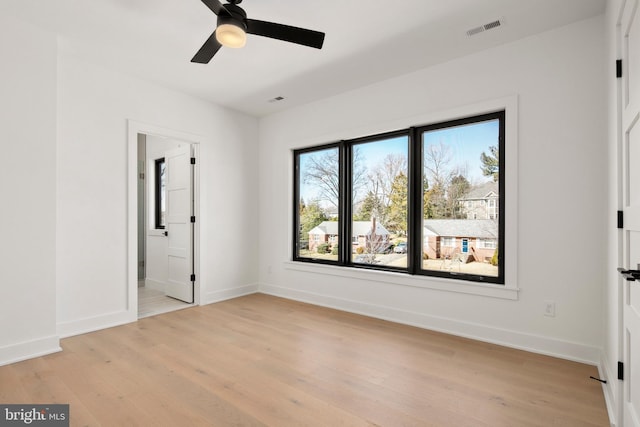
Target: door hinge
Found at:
193, 218
141, 175
618, 68
193, 277
620, 219
193, 160
621, 371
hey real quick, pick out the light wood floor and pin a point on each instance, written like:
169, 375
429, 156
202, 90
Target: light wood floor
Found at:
260, 360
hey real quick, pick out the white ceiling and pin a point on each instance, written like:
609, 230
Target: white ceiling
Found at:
366, 41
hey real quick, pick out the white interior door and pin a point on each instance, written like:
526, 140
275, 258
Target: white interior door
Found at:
179, 209
629, 29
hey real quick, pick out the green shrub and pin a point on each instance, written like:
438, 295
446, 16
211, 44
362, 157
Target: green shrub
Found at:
359, 250
494, 258
334, 250
323, 248
425, 255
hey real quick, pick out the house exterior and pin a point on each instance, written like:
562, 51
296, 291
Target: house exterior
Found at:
327, 232
481, 202
469, 239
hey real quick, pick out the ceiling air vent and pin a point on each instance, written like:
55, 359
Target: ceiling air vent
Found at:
486, 27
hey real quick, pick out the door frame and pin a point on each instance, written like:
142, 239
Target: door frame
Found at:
133, 129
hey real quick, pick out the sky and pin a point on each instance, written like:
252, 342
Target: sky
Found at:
466, 143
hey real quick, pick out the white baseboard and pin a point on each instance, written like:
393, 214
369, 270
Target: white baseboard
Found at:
225, 294
509, 338
91, 324
29, 349
608, 389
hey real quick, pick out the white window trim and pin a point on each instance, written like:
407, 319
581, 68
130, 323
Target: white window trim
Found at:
402, 279
510, 288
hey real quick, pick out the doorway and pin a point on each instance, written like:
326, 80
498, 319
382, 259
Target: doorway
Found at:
166, 229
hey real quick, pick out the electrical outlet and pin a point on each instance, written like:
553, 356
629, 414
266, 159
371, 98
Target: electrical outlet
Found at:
550, 308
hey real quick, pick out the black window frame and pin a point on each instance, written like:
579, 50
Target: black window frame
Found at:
296, 197
415, 194
158, 193
417, 237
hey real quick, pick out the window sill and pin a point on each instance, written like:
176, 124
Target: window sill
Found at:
425, 282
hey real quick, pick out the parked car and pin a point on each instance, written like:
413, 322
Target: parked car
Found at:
401, 248
385, 249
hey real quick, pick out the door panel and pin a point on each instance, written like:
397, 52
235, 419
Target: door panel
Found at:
629, 42
179, 198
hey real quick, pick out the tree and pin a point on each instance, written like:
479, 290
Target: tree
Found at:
397, 219
310, 216
371, 206
458, 187
448, 185
491, 163
322, 171
436, 163
385, 173
436, 167
427, 212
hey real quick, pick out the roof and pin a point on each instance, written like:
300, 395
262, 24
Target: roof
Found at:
482, 191
360, 228
479, 228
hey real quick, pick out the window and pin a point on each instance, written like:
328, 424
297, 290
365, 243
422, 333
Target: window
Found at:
160, 202
416, 200
487, 243
379, 191
461, 160
448, 242
317, 199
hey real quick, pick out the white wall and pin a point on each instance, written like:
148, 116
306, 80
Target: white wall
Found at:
93, 109
558, 78
27, 191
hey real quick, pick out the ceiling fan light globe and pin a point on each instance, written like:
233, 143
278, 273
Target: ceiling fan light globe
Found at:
230, 35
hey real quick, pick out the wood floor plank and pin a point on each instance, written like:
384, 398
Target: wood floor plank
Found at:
265, 361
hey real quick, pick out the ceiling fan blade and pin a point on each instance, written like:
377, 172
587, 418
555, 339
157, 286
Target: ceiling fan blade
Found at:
216, 7
286, 33
208, 49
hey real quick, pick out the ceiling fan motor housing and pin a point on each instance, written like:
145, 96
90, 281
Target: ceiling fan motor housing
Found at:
237, 16
233, 26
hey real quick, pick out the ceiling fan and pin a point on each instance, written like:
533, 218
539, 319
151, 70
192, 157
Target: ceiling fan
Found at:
233, 27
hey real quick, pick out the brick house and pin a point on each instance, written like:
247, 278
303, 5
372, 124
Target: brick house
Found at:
468, 239
327, 232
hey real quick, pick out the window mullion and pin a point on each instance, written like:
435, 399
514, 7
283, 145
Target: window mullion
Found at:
344, 248
414, 203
